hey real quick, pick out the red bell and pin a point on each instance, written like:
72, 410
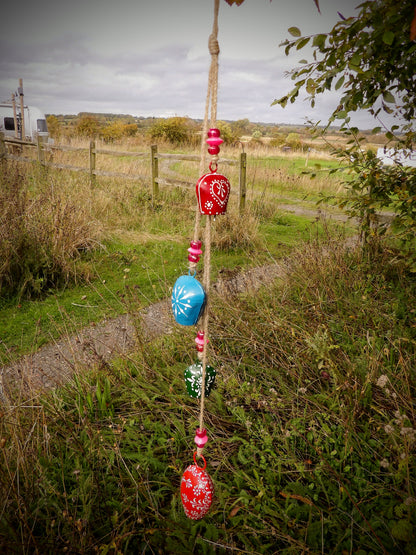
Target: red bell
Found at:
213, 191
197, 491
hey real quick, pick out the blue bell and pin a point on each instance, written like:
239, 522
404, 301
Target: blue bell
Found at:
188, 300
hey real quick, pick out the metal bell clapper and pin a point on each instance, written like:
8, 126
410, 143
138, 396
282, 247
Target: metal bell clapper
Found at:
193, 379
188, 300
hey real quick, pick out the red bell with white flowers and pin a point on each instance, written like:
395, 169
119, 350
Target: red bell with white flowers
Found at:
213, 191
197, 491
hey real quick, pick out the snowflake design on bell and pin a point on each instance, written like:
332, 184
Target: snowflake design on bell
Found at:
181, 303
209, 204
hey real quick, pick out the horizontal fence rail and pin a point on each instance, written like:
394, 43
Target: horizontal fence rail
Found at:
12, 149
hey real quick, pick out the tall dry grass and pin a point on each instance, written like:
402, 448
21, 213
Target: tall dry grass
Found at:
44, 226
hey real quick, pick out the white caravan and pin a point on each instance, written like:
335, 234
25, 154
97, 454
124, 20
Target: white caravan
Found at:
390, 156
34, 123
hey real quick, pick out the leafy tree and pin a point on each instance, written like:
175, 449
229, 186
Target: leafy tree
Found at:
54, 126
278, 140
227, 134
370, 59
241, 127
239, 2
293, 140
117, 130
175, 130
87, 126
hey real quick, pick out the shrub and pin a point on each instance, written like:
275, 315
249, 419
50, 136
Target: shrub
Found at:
233, 230
87, 126
117, 130
175, 130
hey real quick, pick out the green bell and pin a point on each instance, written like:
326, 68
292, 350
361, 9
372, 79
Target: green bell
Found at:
193, 379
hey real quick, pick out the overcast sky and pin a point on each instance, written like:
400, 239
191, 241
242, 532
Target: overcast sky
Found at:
150, 57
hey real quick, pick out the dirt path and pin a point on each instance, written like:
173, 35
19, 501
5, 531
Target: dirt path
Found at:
55, 363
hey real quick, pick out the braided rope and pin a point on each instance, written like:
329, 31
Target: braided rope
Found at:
211, 101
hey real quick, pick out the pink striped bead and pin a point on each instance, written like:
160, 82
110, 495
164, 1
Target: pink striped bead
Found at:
201, 438
200, 341
194, 251
214, 141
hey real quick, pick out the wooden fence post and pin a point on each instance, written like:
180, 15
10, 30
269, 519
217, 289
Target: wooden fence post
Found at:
92, 163
243, 173
155, 172
41, 152
2, 147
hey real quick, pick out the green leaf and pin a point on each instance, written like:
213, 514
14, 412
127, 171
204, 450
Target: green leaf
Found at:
388, 97
294, 31
303, 61
319, 40
339, 83
388, 37
302, 42
310, 86
341, 114
281, 101
355, 60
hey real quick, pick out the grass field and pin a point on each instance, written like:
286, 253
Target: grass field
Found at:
135, 241
311, 424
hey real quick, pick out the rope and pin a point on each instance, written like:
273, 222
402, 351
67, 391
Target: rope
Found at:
211, 101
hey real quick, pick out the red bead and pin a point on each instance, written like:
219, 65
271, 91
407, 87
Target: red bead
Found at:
196, 245
201, 437
193, 258
200, 341
214, 140
214, 132
213, 150
194, 251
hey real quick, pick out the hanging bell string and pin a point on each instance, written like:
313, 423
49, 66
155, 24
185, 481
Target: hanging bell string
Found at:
211, 100
210, 103
205, 321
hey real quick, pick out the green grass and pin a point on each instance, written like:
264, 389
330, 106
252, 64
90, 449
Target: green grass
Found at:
143, 249
149, 269
311, 428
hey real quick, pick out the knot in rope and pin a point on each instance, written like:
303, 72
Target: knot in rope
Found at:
213, 46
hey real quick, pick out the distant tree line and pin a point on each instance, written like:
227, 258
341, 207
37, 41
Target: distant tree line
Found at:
175, 130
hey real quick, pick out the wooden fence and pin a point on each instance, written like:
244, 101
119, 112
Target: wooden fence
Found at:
12, 149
